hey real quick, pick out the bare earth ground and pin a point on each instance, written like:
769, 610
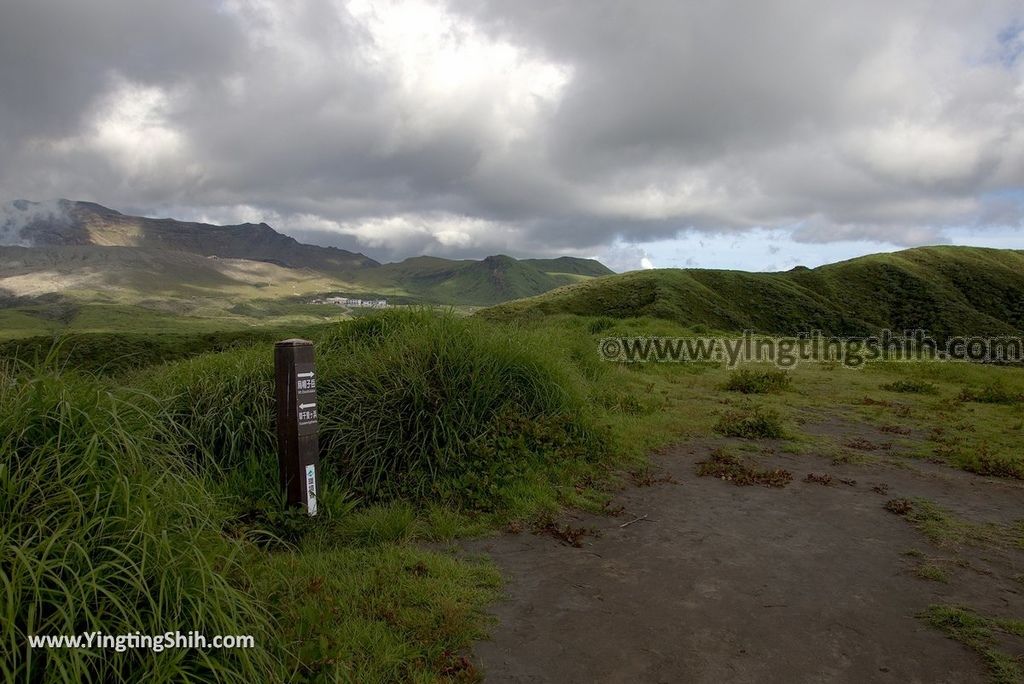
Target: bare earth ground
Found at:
753, 584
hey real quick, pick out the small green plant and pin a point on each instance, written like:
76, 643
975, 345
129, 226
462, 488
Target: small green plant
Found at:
755, 423
978, 633
624, 402
750, 381
944, 529
992, 393
911, 387
932, 572
984, 462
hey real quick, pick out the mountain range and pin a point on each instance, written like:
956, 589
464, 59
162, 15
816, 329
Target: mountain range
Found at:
83, 254
80, 266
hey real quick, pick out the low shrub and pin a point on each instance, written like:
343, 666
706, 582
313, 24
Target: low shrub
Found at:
911, 387
750, 381
993, 393
755, 423
983, 462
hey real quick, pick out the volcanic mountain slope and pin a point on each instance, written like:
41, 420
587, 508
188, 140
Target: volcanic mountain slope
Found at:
87, 253
68, 223
945, 290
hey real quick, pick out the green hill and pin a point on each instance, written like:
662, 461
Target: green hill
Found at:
570, 265
945, 290
489, 281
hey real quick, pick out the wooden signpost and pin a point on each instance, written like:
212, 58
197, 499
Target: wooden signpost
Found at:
298, 449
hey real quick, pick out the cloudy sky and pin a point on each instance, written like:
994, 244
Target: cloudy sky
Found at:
752, 135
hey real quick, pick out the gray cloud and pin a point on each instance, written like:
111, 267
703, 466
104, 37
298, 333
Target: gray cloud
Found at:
532, 128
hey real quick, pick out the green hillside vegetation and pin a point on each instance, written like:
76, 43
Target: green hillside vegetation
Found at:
117, 353
945, 290
145, 497
481, 283
139, 472
149, 502
570, 266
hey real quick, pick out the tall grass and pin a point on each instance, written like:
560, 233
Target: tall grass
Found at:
430, 398
412, 404
135, 510
219, 407
101, 529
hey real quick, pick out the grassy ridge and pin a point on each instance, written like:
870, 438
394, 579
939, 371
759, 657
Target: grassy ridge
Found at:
945, 290
148, 500
480, 283
151, 503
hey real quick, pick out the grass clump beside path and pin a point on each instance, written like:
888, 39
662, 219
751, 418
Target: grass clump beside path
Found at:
945, 529
153, 505
979, 633
417, 405
753, 423
911, 386
103, 529
750, 381
992, 393
725, 466
982, 461
342, 625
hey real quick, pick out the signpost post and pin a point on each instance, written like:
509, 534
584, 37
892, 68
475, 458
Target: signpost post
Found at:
298, 449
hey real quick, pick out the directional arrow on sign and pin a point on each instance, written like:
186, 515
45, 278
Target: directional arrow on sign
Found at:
304, 375
306, 406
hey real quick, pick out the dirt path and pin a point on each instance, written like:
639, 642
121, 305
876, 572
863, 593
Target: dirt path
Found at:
748, 584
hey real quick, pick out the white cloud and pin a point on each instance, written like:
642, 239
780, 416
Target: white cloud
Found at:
535, 127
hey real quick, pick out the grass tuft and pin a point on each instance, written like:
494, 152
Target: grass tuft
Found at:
911, 387
992, 393
754, 423
978, 633
725, 466
932, 572
749, 381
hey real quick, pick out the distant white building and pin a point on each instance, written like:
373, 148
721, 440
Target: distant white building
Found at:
354, 303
